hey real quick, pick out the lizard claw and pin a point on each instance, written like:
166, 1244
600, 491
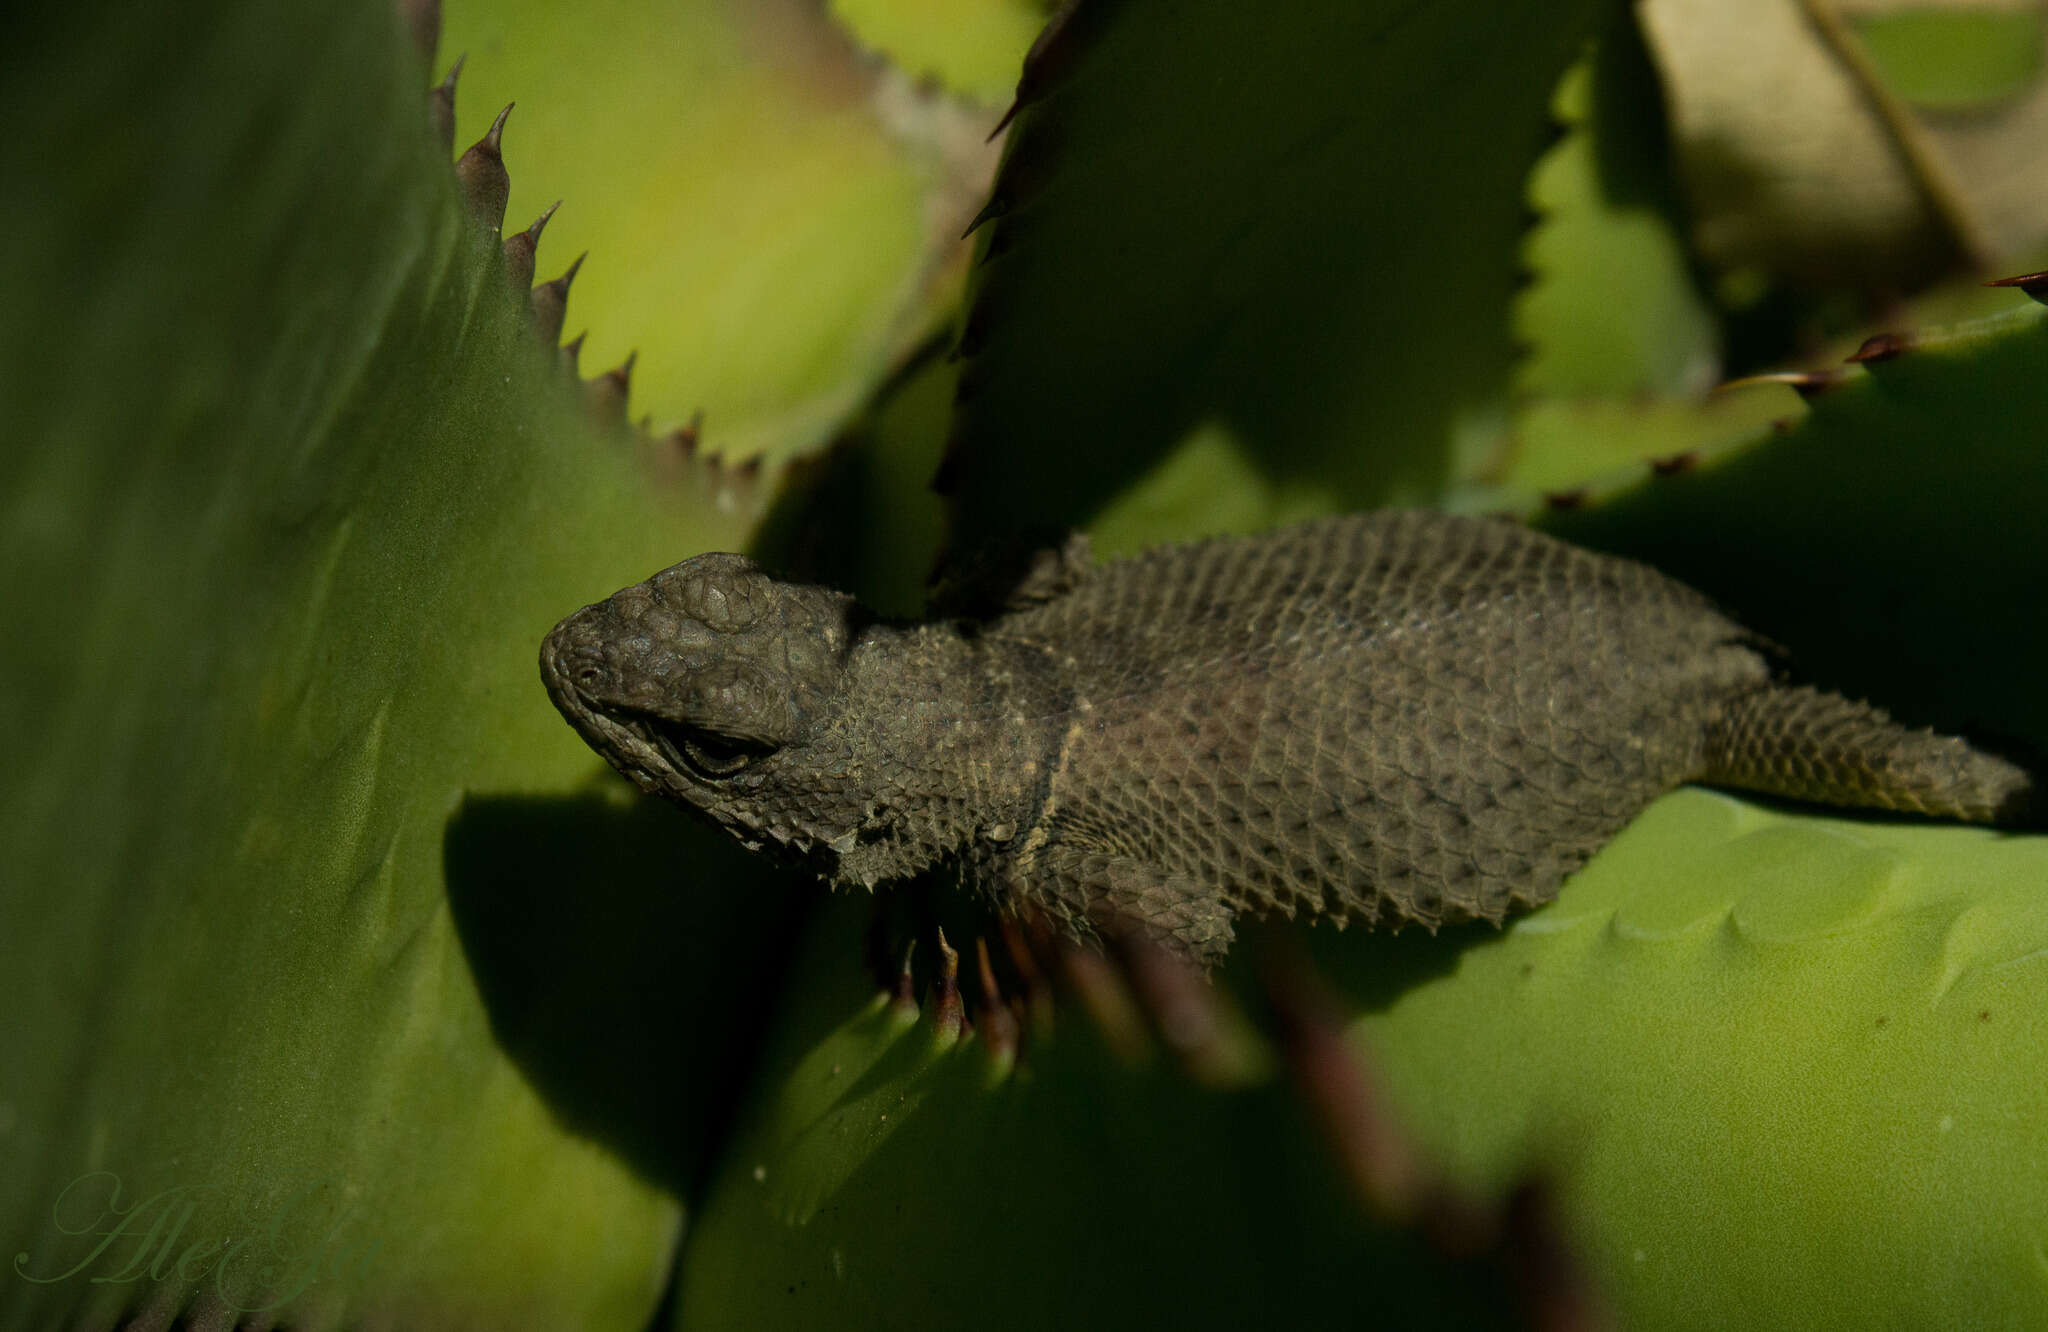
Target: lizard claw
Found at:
993, 1018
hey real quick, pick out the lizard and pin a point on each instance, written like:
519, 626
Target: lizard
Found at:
1390, 717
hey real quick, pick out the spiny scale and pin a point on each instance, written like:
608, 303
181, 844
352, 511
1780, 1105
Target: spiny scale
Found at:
1423, 718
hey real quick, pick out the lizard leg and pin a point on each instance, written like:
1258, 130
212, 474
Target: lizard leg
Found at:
1117, 894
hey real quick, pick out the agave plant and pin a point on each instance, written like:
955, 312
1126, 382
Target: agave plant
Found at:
344, 988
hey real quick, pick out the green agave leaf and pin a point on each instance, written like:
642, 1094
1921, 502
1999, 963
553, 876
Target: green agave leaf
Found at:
1954, 57
1611, 306
1207, 236
340, 989
1886, 535
1779, 1070
1562, 443
969, 47
1785, 1071
1621, 344
894, 1176
772, 218
865, 519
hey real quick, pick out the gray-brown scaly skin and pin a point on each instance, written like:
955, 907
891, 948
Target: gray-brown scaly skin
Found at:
1390, 716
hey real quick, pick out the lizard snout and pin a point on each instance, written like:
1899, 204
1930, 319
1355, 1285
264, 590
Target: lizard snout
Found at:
573, 662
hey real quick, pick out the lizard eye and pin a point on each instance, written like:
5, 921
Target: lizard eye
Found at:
703, 752
713, 755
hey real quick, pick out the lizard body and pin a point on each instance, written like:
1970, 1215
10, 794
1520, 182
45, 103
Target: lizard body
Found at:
1397, 716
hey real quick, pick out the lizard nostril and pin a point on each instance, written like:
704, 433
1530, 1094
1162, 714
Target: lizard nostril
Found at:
579, 665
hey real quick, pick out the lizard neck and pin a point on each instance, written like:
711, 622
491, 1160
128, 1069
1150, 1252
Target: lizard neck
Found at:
948, 736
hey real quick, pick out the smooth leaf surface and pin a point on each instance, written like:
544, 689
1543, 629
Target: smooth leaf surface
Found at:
772, 217
1955, 58
1785, 1071
1621, 345
1611, 306
971, 48
1208, 230
333, 983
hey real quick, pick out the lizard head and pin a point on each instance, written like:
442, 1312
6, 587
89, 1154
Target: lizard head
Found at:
696, 682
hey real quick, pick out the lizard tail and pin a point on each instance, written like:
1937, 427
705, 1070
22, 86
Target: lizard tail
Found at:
1809, 744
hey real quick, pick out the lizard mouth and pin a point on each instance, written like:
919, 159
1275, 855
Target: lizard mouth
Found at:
693, 749
657, 736
641, 747
653, 749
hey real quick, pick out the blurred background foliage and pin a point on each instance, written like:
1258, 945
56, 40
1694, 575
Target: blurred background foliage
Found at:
346, 989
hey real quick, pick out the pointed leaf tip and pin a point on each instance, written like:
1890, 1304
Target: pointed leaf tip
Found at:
1019, 948
996, 206
549, 304
1812, 385
1043, 64
1341, 1094
1182, 1005
948, 1014
1009, 114
904, 994
481, 174
1037, 997
1806, 383
520, 248
1880, 347
684, 437
609, 392
994, 1019
441, 108
1107, 1001
990, 994
2033, 284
